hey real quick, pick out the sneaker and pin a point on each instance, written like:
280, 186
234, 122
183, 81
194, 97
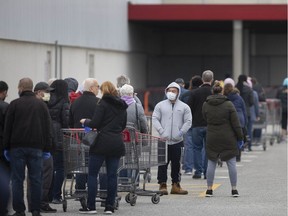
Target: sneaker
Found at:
36, 213
87, 211
47, 209
188, 173
235, 193
57, 201
19, 214
108, 210
209, 193
196, 176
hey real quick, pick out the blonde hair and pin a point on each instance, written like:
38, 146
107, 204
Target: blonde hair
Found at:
107, 88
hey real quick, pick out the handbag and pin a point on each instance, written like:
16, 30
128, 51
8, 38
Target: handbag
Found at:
90, 138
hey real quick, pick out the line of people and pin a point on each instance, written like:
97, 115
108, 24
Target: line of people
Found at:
38, 116
31, 137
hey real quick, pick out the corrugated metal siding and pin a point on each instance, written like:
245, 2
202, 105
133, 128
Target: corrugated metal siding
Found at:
89, 23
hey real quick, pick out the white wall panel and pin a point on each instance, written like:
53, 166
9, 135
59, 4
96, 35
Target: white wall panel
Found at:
19, 59
89, 23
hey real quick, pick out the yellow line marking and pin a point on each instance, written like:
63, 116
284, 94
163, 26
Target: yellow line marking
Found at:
214, 187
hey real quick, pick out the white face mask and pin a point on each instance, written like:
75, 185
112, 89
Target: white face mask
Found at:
171, 96
46, 96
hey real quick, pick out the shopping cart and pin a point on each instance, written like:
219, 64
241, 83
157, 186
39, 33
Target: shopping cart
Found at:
274, 119
75, 157
261, 124
143, 151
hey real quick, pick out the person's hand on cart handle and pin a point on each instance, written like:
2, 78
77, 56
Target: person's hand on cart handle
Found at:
82, 121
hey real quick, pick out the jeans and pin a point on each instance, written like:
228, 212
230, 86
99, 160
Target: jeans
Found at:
58, 164
47, 177
249, 132
188, 152
4, 188
95, 163
199, 141
20, 158
174, 155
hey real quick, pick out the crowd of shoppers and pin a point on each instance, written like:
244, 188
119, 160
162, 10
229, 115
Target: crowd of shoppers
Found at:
210, 121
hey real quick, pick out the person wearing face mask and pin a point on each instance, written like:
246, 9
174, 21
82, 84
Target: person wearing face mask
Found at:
172, 118
42, 91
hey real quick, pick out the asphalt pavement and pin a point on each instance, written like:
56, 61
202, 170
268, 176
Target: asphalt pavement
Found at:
262, 185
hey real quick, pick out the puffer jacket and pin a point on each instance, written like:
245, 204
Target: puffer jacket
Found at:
223, 128
59, 112
172, 121
109, 119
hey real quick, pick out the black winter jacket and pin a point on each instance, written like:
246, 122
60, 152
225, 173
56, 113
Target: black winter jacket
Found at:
195, 102
109, 119
82, 107
27, 123
3, 109
59, 112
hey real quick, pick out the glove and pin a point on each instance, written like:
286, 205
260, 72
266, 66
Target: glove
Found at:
7, 155
87, 129
46, 155
240, 144
180, 134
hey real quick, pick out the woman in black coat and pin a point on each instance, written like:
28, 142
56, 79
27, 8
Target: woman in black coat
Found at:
223, 132
109, 119
58, 106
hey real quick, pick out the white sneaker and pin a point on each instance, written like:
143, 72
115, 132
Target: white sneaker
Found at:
188, 173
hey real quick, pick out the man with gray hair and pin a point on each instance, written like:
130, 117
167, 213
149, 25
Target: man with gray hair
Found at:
199, 125
83, 107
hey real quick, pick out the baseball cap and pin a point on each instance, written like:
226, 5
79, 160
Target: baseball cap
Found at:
42, 86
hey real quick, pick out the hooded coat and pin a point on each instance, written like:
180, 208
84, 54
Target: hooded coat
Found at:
223, 128
109, 119
170, 120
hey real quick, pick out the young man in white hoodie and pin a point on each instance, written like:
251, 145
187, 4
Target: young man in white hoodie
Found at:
172, 118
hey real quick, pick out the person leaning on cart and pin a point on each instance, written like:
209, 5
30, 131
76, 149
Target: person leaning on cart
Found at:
109, 119
172, 118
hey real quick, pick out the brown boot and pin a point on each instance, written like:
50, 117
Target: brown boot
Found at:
163, 188
176, 189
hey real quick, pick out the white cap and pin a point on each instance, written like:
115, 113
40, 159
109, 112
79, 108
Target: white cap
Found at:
229, 81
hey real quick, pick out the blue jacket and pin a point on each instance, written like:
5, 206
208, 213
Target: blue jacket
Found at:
239, 105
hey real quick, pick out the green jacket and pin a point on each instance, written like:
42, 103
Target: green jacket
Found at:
223, 128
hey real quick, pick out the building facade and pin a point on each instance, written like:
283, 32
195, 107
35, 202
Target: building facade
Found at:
103, 39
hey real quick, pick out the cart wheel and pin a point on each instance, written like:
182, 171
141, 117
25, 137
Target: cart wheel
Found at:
127, 198
155, 199
64, 205
133, 198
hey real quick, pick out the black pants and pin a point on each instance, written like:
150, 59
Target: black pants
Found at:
174, 156
47, 177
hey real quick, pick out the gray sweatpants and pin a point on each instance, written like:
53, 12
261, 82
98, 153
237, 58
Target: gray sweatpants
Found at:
231, 164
